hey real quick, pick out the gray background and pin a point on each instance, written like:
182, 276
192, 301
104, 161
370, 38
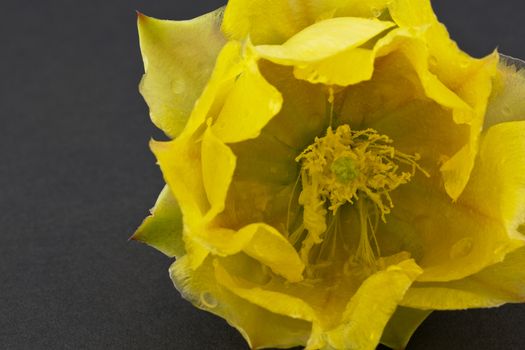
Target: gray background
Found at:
76, 178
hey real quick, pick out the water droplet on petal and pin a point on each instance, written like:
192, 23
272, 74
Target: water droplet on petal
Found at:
274, 106
462, 248
507, 111
433, 60
464, 63
178, 86
376, 12
208, 300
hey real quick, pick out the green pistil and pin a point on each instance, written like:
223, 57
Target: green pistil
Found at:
344, 169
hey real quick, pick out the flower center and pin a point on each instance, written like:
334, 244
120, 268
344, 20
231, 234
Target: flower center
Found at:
359, 168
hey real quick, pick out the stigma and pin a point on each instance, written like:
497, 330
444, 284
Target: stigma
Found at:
358, 168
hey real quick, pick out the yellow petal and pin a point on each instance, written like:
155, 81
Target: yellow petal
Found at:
260, 241
495, 285
178, 59
507, 102
304, 104
402, 91
412, 13
275, 302
180, 162
324, 39
379, 296
250, 105
270, 248
228, 67
263, 21
481, 227
402, 325
329, 72
259, 327
218, 165
476, 91
163, 228
497, 186
469, 78
276, 21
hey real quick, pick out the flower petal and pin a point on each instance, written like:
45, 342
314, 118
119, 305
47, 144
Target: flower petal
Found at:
507, 102
481, 227
218, 165
250, 105
379, 296
406, 102
328, 71
178, 59
180, 162
497, 185
276, 21
302, 115
262, 21
402, 325
469, 78
273, 250
260, 241
324, 39
275, 302
163, 228
495, 285
475, 90
260, 327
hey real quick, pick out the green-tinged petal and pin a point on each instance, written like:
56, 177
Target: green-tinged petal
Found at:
379, 296
324, 39
507, 102
402, 325
495, 285
163, 228
260, 327
218, 165
178, 59
250, 105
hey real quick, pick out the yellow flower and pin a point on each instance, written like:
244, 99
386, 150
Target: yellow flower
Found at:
338, 169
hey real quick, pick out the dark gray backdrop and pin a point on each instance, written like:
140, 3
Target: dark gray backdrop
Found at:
76, 178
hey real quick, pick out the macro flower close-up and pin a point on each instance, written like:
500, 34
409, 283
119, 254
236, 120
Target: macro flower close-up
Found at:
335, 170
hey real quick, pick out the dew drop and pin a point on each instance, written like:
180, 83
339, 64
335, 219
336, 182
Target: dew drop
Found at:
376, 12
464, 63
433, 60
208, 300
461, 248
274, 106
178, 86
506, 110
